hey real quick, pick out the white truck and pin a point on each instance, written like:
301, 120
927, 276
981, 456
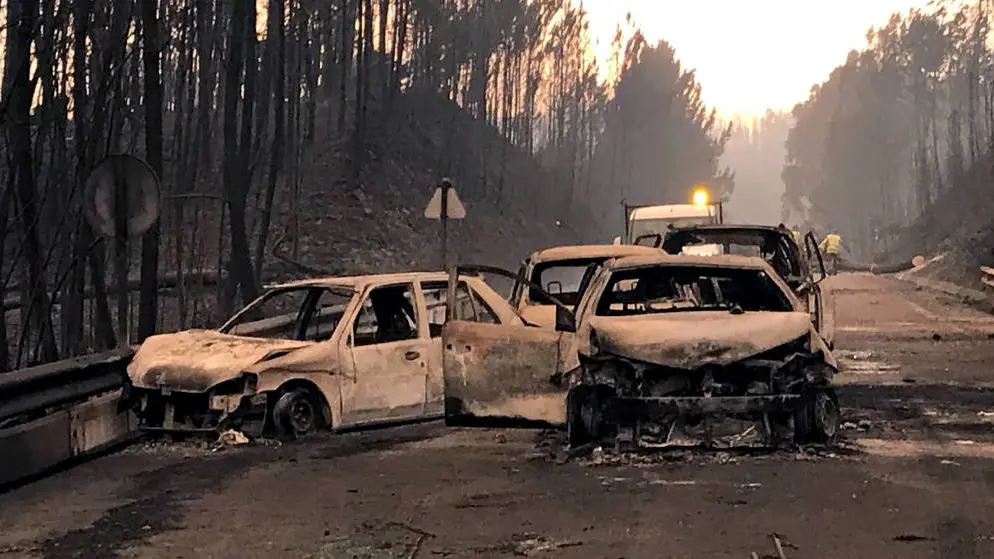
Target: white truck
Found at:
648, 224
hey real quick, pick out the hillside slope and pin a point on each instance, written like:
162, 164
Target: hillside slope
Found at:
380, 226
959, 226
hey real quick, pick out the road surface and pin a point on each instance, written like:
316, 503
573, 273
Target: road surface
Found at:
914, 397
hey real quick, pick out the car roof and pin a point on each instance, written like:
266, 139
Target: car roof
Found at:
719, 261
671, 210
571, 252
359, 282
723, 233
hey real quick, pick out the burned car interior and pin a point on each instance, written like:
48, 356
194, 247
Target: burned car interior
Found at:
773, 244
387, 315
654, 290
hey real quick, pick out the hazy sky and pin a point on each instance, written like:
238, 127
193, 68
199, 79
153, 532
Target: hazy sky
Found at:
751, 55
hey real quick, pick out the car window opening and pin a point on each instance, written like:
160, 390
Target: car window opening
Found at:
387, 315
302, 314
562, 280
690, 288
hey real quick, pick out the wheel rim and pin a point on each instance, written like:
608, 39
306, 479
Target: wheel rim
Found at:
826, 415
302, 416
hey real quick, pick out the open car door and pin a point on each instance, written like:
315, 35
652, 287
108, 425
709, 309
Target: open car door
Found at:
820, 301
500, 371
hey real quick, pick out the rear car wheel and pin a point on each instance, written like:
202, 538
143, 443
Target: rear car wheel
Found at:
298, 412
819, 417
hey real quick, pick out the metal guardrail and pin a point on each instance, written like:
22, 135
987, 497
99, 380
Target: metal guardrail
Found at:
29, 393
987, 276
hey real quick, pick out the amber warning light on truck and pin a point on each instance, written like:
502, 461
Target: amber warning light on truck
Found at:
700, 197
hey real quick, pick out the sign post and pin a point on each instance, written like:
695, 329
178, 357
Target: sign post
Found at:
443, 206
121, 201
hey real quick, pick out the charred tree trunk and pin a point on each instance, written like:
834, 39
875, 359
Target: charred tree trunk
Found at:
147, 300
22, 16
277, 58
236, 174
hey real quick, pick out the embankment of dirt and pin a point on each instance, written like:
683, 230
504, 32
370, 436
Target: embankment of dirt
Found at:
959, 226
512, 204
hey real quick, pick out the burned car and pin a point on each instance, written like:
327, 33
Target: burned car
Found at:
333, 352
560, 271
803, 271
655, 343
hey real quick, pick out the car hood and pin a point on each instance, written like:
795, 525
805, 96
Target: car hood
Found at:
690, 339
195, 360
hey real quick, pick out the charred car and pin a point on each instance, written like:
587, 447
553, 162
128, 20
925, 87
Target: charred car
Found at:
655, 343
333, 352
560, 271
801, 270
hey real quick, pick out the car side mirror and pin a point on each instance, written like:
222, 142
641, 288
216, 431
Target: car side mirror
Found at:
565, 321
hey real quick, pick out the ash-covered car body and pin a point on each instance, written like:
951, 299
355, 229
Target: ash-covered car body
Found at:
653, 341
559, 271
331, 352
802, 270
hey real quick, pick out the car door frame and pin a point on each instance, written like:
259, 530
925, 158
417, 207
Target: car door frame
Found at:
816, 296
353, 415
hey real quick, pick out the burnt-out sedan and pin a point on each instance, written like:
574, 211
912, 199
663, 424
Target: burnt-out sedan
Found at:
330, 352
658, 347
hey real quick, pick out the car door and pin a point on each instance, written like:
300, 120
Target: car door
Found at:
500, 371
390, 346
470, 307
821, 304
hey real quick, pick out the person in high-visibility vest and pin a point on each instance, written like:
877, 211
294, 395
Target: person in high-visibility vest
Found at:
831, 246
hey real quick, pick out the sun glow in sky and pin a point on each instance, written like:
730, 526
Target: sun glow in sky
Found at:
751, 55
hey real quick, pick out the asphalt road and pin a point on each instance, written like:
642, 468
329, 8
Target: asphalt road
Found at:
918, 483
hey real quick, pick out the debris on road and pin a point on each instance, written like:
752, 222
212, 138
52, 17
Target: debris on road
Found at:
528, 545
232, 437
912, 538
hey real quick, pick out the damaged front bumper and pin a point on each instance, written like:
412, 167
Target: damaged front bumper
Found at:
229, 404
632, 409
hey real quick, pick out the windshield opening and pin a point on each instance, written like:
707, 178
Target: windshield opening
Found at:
300, 313
659, 289
560, 279
660, 226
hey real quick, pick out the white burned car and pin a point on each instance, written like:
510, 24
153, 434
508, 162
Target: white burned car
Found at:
559, 271
654, 343
332, 352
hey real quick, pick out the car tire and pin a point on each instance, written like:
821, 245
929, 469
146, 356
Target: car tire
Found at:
583, 417
818, 419
298, 412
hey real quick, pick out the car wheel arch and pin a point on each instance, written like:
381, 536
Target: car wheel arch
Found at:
327, 415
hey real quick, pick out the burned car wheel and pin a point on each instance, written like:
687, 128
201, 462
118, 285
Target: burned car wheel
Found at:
298, 412
584, 419
818, 419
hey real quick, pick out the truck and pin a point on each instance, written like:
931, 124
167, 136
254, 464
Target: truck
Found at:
648, 224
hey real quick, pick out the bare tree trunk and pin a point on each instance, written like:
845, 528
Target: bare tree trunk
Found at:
147, 301
277, 57
4, 342
236, 176
347, 11
22, 16
361, 83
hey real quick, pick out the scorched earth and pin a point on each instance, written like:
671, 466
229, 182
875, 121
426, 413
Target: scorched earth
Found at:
912, 479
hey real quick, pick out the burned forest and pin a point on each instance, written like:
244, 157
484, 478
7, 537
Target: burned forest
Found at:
295, 138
